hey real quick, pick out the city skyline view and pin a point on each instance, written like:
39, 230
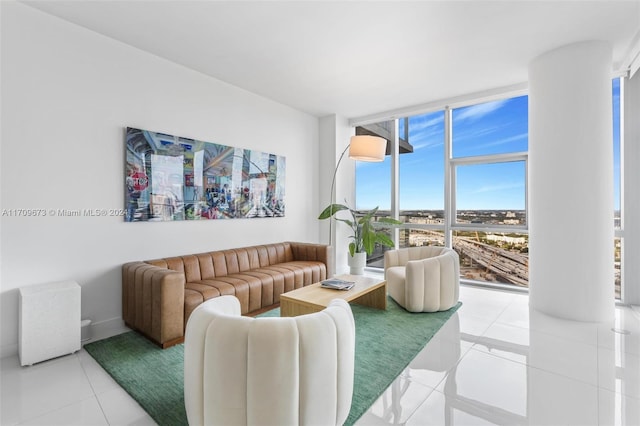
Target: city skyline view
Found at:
487, 191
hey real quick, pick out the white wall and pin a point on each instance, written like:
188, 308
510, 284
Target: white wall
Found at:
67, 95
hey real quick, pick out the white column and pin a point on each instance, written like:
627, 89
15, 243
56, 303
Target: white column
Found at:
631, 196
327, 158
571, 182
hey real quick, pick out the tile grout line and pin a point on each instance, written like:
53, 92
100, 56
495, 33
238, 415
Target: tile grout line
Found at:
95, 395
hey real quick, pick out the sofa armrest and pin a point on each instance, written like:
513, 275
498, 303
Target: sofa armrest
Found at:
317, 252
422, 285
153, 301
433, 284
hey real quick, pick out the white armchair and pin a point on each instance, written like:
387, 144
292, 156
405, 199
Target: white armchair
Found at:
423, 279
271, 371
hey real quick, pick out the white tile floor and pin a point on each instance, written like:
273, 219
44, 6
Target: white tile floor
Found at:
492, 363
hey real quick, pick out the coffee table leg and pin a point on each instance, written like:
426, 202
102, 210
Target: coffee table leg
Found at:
375, 299
285, 309
292, 309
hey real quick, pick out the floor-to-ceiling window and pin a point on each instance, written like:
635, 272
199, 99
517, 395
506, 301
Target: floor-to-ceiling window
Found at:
373, 184
421, 191
488, 169
484, 158
617, 187
462, 182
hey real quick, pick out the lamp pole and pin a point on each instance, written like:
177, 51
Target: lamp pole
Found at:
363, 148
332, 194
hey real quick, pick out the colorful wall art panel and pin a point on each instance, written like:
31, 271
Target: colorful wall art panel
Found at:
174, 178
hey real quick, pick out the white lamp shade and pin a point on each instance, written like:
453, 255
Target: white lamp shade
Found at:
367, 148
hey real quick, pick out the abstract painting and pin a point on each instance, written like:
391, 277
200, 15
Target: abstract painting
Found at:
170, 178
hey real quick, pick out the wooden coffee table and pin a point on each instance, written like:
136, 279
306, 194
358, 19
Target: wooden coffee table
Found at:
367, 291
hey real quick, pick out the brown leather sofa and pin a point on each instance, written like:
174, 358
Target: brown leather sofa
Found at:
159, 295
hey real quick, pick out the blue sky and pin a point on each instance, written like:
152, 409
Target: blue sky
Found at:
616, 143
489, 128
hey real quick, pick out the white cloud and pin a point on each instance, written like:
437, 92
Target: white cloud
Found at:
426, 138
475, 112
426, 142
505, 140
421, 124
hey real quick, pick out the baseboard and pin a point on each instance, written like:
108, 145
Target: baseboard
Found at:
107, 328
9, 350
99, 330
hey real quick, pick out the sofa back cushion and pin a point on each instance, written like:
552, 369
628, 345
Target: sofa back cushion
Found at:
206, 266
279, 253
400, 257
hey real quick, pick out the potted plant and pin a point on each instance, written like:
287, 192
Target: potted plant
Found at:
365, 235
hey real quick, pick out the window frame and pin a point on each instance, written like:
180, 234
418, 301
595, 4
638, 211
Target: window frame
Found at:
618, 231
451, 164
454, 163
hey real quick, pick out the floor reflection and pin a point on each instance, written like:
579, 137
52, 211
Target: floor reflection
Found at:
494, 363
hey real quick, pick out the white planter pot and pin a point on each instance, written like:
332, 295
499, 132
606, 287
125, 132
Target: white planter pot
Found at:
357, 263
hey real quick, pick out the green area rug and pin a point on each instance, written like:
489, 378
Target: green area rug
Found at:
386, 342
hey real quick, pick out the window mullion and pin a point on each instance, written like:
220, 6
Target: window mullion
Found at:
449, 183
395, 199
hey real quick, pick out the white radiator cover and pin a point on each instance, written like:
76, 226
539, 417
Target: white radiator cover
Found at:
49, 321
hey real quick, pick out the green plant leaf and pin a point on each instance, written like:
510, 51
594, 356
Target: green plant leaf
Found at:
347, 221
384, 239
389, 221
367, 217
368, 237
331, 210
365, 234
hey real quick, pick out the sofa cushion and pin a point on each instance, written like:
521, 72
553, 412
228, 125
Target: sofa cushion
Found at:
256, 275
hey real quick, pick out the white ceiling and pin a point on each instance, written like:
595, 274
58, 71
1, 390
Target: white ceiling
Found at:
357, 58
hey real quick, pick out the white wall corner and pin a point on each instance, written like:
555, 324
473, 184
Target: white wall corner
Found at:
335, 134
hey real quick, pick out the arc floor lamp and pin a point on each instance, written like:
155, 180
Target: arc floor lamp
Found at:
362, 148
